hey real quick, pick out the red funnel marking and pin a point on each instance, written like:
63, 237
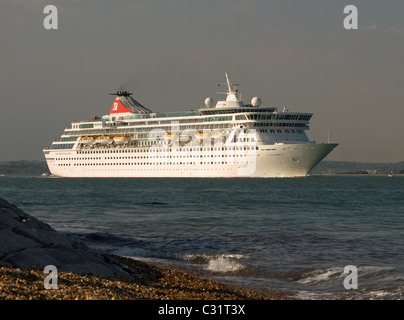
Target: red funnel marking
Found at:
118, 107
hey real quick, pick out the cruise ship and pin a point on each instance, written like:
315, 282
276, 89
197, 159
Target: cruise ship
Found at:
223, 139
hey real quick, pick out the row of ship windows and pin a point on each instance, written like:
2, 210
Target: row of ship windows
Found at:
201, 113
147, 129
147, 163
156, 157
148, 123
68, 139
161, 142
275, 124
185, 127
138, 143
154, 151
169, 150
258, 116
280, 131
166, 150
62, 146
273, 117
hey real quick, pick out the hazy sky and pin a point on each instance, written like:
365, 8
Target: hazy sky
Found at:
172, 53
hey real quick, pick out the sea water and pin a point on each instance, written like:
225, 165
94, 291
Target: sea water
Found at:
289, 235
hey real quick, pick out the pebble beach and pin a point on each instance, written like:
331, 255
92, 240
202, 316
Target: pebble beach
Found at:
150, 281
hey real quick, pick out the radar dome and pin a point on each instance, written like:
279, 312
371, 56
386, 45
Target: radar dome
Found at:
209, 102
256, 102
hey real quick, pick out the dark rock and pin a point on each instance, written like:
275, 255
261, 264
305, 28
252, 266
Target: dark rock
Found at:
26, 242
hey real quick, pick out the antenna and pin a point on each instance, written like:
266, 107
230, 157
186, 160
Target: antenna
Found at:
228, 82
233, 98
231, 85
121, 93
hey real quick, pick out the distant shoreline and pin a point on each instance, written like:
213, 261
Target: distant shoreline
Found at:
325, 168
357, 175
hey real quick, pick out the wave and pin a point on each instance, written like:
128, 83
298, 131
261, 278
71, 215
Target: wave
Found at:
209, 261
328, 274
220, 262
157, 249
226, 264
374, 282
321, 275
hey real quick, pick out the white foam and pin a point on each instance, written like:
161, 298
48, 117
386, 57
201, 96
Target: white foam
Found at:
225, 263
307, 295
206, 257
371, 270
378, 294
322, 275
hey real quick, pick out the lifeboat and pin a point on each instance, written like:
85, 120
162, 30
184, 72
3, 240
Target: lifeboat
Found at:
87, 140
104, 140
120, 139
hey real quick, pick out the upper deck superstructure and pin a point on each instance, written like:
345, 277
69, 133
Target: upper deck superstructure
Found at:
229, 139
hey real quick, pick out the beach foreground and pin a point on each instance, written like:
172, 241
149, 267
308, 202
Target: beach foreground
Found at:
150, 281
27, 245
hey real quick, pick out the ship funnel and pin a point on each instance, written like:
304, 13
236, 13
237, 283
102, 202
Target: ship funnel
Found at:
124, 103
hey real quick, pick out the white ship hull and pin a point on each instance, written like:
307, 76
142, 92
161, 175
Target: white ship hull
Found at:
230, 140
281, 160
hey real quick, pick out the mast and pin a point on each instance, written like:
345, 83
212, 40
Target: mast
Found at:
233, 98
228, 82
232, 94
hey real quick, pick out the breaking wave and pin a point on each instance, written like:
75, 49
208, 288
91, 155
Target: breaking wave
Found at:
220, 262
321, 275
374, 282
336, 273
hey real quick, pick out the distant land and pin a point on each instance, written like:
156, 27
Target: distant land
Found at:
323, 168
351, 167
24, 167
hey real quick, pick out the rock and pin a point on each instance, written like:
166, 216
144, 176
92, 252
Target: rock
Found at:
26, 242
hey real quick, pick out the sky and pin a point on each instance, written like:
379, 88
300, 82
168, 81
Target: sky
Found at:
172, 53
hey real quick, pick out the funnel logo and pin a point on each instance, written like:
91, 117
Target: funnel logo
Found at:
115, 106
